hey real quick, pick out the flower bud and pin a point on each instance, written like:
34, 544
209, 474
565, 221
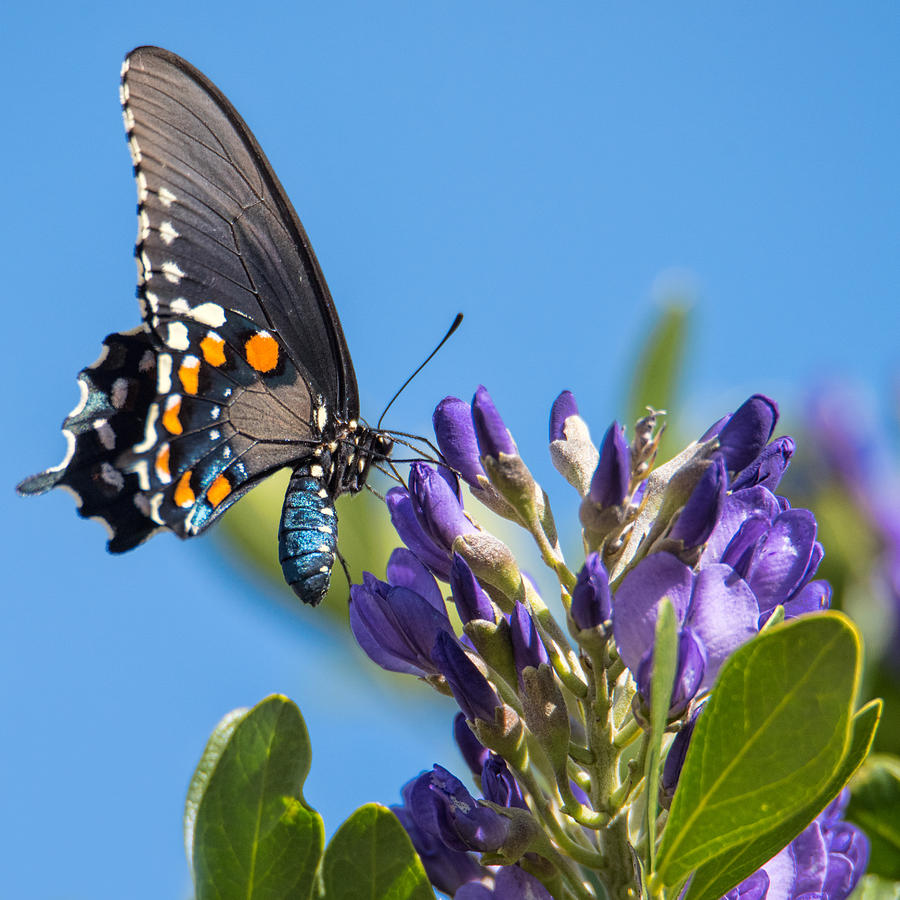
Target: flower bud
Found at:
441, 805
498, 784
768, 467
591, 596
471, 690
473, 752
700, 514
456, 439
492, 435
528, 649
448, 870
396, 626
747, 432
437, 506
405, 521
609, 484
571, 449
468, 595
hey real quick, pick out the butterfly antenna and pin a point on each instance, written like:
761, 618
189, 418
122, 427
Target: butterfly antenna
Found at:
444, 339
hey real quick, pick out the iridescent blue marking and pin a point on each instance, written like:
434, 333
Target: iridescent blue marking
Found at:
307, 538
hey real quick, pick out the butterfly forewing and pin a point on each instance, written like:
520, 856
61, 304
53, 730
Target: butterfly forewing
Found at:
216, 229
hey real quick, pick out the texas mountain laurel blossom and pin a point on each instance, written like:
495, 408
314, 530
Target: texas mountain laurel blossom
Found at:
547, 719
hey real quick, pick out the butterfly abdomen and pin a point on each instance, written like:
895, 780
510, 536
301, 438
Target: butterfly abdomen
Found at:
307, 537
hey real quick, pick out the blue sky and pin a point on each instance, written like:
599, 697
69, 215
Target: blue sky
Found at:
550, 170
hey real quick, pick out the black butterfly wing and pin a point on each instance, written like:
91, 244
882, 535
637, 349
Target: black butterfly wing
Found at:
216, 225
241, 360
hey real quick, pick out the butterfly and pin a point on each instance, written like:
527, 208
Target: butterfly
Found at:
240, 366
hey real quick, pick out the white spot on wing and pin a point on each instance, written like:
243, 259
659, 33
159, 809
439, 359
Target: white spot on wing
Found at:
316, 472
180, 306
164, 373
167, 232
322, 493
178, 336
155, 503
171, 272
327, 511
149, 430
118, 395
324, 569
321, 416
142, 470
143, 225
112, 476
325, 529
216, 411
166, 197
153, 300
215, 434
208, 314
141, 179
324, 548
127, 115
105, 433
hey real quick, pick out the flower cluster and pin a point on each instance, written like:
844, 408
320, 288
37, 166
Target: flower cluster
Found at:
547, 718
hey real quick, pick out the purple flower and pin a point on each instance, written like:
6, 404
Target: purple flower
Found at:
436, 505
428, 517
455, 433
407, 525
701, 512
471, 690
609, 486
499, 785
396, 623
473, 752
756, 887
826, 859
773, 549
470, 598
720, 610
675, 757
510, 883
441, 806
493, 436
743, 437
591, 597
563, 407
688, 673
446, 869
768, 467
528, 649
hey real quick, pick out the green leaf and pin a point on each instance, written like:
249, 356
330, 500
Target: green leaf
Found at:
659, 364
250, 834
875, 807
372, 858
665, 663
721, 874
773, 734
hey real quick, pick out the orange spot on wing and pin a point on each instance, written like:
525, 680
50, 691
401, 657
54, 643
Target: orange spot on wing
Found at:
162, 464
188, 373
218, 490
213, 348
262, 351
184, 496
170, 417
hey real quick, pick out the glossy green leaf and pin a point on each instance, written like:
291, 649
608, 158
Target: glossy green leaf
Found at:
372, 858
720, 874
774, 732
250, 833
875, 807
665, 663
